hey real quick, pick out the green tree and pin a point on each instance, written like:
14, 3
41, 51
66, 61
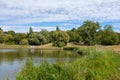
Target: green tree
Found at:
1, 31
24, 42
11, 32
30, 30
9, 39
36, 39
1, 36
99, 37
57, 28
19, 36
74, 35
60, 38
118, 36
88, 32
46, 34
109, 37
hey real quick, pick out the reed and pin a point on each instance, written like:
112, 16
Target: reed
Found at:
96, 64
7, 77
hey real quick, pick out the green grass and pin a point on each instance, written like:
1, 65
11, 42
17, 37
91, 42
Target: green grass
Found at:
46, 46
96, 64
13, 46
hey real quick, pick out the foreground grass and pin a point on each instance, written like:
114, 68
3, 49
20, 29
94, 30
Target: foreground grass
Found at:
96, 64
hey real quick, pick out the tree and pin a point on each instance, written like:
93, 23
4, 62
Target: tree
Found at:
1, 36
74, 35
30, 30
19, 36
57, 28
36, 39
60, 38
46, 34
118, 36
8, 38
109, 37
88, 32
1, 31
11, 32
24, 42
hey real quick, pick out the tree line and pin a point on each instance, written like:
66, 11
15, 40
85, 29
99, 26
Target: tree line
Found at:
89, 33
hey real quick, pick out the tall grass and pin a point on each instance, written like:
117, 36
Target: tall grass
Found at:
96, 64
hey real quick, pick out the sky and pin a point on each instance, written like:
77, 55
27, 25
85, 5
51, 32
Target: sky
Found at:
19, 15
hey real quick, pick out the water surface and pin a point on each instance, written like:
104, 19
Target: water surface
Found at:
12, 60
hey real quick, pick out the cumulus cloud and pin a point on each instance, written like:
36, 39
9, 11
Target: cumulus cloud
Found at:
32, 11
25, 29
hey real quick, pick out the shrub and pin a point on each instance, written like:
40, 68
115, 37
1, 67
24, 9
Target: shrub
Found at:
24, 42
71, 48
60, 38
34, 41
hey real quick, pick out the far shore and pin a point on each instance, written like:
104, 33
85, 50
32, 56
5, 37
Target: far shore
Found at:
47, 46
50, 47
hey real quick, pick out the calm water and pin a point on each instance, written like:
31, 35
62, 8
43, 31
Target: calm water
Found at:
12, 60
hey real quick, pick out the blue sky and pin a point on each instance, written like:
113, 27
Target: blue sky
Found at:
19, 15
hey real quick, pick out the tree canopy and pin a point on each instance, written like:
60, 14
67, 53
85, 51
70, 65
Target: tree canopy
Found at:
89, 33
60, 38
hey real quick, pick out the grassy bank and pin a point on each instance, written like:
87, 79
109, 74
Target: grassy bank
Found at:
46, 46
96, 64
14, 46
49, 46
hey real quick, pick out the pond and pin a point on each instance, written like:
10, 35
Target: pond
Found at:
12, 60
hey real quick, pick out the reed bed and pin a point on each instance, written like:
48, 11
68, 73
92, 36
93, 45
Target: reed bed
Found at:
96, 64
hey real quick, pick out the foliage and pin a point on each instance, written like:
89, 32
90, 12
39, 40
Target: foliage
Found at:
46, 34
109, 37
57, 28
1, 36
88, 32
118, 37
74, 35
36, 39
8, 38
71, 48
19, 36
60, 38
30, 30
1, 31
11, 32
24, 42
97, 64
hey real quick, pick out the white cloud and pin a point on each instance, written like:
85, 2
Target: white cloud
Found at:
26, 28
31, 11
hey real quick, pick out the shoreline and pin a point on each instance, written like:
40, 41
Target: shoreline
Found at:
49, 46
2, 46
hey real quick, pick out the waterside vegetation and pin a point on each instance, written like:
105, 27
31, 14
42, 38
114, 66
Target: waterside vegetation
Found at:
96, 64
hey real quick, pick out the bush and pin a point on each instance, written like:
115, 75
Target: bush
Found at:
34, 41
71, 48
24, 42
60, 38
58, 44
